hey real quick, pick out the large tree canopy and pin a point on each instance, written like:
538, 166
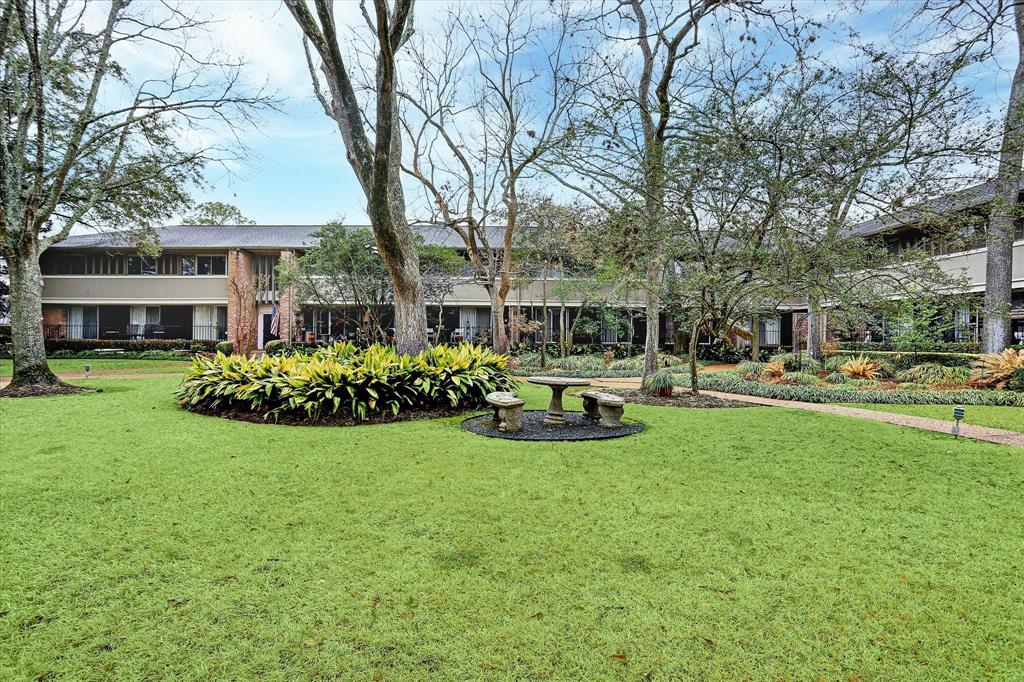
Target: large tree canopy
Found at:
216, 213
87, 143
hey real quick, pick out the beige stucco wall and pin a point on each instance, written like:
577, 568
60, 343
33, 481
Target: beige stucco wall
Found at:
139, 289
972, 263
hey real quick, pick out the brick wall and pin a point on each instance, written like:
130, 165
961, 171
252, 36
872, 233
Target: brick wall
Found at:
55, 314
289, 304
242, 310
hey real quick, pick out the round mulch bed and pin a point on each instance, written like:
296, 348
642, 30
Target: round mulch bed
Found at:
340, 418
577, 427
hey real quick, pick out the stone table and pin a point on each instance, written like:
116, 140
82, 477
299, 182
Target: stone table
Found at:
556, 415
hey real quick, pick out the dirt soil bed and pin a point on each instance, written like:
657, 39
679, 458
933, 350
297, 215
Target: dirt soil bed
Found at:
42, 390
339, 419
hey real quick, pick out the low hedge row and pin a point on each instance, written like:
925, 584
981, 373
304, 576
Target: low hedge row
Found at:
54, 345
902, 360
364, 382
732, 382
128, 355
594, 374
969, 347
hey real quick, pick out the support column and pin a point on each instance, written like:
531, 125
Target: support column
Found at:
242, 309
288, 305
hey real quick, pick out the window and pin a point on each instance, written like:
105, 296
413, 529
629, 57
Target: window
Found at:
211, 264
71, 265
82, 322
204, 321
188, 265
134, 265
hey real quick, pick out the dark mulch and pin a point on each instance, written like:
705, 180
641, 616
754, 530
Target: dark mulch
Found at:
338, 419
686, 399
577, 427
43, 390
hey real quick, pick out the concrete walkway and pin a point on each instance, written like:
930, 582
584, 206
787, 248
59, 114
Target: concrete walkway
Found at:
985, 433
974, 432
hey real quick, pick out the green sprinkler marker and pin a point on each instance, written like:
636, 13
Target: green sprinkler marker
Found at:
958, 414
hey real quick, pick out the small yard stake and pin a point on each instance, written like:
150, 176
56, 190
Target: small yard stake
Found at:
87, 368
958, 414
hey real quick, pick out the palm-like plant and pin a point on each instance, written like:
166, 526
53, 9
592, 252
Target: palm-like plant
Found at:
996, 369
860, 367
775, 369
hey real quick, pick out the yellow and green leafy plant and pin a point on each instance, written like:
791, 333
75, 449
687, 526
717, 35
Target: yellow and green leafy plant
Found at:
363, 382
860, 367
996, 369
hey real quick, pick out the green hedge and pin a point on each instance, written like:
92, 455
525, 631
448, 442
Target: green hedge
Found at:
371, 382
731, 382
54, 345
969, 347
902, 360
130, 355
602, 374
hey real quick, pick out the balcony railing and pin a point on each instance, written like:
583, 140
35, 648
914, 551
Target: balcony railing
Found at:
135, 331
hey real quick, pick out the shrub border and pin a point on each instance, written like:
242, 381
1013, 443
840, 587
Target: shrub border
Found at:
817, 394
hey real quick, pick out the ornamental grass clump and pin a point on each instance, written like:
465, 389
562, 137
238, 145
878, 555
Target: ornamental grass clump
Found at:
341, 378
797, 362
660, 383
934, 374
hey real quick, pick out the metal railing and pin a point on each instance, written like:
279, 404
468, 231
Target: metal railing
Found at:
135, 331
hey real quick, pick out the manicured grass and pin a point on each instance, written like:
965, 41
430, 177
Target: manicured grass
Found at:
105, 366
145, 542
1011, 418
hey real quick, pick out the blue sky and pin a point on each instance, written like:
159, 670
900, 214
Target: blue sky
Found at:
297, 172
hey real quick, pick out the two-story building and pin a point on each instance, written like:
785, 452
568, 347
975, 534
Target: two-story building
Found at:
97, 286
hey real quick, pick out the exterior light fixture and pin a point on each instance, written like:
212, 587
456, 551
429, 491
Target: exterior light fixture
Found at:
87, 368
958, 414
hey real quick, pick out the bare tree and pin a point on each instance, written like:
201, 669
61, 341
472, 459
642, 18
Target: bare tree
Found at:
972, 29
791, 156
82, 144
377, 164
618, 136
481, 109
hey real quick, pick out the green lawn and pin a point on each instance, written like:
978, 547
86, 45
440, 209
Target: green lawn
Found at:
140, 541
1011, 418
107, 366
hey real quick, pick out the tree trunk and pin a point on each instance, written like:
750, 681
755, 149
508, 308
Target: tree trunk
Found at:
499, 337
999, 257
814, 320
544, 329
30, 368
755, 339
693, 356
653, 308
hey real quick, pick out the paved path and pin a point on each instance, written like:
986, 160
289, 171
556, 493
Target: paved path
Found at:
985, 433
